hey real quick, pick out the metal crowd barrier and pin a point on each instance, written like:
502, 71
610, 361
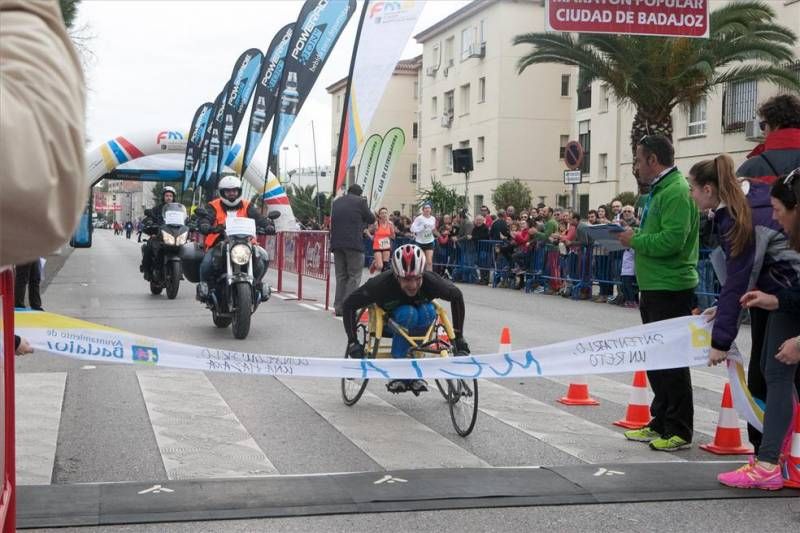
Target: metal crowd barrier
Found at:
8, 493
576, 272
304, 253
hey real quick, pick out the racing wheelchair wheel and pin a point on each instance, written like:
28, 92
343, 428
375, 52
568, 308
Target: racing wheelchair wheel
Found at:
441, 384
353, 388
462, 399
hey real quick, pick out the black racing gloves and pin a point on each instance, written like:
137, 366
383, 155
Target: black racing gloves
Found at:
461, 346
355, 350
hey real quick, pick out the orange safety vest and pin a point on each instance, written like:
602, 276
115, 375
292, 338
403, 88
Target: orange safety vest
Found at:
220, 216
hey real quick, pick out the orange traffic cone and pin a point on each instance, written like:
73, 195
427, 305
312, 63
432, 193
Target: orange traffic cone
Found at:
578, 393
505, 341
791, 465
728, 438
638, 413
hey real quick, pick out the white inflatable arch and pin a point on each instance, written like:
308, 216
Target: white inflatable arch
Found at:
123, 149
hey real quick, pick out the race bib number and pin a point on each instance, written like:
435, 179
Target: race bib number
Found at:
427, 234
384, 243
174, 218
240, 226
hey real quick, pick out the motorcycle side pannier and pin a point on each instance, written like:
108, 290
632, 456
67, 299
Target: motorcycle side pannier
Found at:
191, 257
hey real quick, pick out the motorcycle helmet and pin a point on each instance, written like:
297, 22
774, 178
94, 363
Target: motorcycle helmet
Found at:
228, 183
167, 189
408, 261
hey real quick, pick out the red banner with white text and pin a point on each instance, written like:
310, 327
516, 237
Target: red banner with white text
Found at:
665, 18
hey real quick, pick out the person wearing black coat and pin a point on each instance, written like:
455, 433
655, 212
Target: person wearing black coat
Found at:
349, 216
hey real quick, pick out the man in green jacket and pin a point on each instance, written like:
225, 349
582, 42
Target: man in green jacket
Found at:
666, 246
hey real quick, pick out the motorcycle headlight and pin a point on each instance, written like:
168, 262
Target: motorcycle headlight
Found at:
180, 240
240, 254
167, 238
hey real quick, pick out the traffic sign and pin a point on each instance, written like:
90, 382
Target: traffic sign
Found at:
572, 177
573, 155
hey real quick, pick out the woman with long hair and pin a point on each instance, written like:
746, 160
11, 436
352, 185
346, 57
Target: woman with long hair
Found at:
382, 240
755, 253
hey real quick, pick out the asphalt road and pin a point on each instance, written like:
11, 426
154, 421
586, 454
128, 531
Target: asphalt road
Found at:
110, 422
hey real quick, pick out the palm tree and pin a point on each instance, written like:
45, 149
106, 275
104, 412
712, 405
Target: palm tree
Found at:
69, 9
656, 74
304, 202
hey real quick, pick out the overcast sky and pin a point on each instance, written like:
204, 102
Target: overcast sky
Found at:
154, 62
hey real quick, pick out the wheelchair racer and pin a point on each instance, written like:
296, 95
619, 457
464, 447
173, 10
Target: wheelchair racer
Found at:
405, 293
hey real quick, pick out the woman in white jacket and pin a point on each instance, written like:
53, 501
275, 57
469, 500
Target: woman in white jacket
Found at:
424, 230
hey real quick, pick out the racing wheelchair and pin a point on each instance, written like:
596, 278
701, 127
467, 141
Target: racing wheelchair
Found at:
376, 335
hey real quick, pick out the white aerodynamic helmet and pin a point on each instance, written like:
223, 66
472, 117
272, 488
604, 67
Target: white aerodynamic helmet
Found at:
228, 183
408, 261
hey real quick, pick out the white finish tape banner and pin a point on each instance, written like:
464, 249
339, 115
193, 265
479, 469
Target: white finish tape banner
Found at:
678, 342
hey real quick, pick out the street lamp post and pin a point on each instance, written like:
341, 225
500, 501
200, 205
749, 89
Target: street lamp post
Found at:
298, 165
285, 167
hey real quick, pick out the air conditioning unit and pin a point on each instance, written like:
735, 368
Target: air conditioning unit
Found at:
752, 130
477, 50
447, 120
431, 71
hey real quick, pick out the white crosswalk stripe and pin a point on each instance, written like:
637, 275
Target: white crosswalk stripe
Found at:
390, 437
570, 433
38, 399
197, 433
705, 380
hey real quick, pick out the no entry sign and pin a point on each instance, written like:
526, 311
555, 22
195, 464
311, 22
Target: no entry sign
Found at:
666, 18
573, 155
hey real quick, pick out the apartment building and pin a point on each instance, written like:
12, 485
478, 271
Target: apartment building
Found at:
398, 108
471, 95
717, 124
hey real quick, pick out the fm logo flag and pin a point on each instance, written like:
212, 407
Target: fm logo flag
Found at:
383, 35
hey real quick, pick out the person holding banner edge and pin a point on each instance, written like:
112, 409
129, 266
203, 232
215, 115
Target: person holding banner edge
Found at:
666, 246
780, 358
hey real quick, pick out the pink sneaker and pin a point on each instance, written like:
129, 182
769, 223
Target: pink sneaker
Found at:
753, 476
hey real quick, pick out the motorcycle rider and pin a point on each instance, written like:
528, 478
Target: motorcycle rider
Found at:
211, 223
154, 218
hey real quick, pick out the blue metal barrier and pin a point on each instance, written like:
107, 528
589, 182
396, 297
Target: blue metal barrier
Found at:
574, 273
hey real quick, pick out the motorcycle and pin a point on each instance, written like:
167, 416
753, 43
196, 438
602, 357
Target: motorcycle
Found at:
172, 237
235, 295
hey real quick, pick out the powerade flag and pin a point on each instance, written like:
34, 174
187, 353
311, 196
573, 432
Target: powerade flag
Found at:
196, 134
393, 143
215, 137
265, 98
316, 31
203, 163
243, 82
369, 161
384, 33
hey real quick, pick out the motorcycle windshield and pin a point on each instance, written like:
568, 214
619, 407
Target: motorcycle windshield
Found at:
174, 214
